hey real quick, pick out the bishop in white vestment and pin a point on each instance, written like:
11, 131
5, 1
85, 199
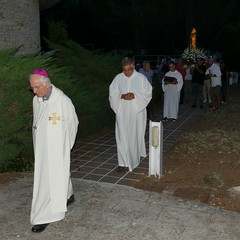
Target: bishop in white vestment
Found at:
55, 126
129, 94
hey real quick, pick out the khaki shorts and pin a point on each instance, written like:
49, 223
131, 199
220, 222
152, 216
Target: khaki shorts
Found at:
216, 91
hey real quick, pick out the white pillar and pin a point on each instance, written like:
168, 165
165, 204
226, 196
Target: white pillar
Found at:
155, 148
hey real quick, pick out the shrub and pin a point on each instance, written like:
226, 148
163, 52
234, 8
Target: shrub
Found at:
93, 73
84, 76
16, 107
57, 31
15, 115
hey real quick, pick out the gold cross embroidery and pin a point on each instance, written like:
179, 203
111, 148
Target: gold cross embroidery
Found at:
54, 118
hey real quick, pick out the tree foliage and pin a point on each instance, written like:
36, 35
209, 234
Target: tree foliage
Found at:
158, 26
57, 31
15, 110
84, 76
93, 73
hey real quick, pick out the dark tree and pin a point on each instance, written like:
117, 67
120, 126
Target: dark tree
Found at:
158, 26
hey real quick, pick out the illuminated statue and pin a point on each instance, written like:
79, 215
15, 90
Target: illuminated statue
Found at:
193, 38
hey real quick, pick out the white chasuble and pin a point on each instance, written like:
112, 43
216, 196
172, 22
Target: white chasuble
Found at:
172, 95
131, 117
55, 125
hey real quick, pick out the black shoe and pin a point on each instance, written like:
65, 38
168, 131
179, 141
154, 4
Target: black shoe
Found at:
39, 227
193, 106
217, 108
121, 169
165, 119
71, 200
201, 106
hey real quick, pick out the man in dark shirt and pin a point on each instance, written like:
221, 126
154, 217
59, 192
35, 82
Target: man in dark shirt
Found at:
179, 67
165, 67
197, 83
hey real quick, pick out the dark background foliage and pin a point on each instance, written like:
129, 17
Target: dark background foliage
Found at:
15, 110
158, 26
105, 28
83, 75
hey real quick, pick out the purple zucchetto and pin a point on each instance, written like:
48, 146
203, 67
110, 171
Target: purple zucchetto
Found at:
40, 72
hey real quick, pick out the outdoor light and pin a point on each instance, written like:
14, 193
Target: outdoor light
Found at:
155, 136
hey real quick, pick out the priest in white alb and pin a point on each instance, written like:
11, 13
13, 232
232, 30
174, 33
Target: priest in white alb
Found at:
129, 94
171, 85
55, 126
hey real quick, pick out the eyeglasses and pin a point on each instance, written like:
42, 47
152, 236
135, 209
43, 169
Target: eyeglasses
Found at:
37, 87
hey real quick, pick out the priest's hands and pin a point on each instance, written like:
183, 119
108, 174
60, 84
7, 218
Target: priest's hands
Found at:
128, 96
173, 81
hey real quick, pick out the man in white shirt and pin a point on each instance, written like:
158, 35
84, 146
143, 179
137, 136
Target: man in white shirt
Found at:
214, 72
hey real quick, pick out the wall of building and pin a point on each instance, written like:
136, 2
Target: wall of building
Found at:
20, 25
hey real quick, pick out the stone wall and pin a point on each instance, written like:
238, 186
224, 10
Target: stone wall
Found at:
20, 25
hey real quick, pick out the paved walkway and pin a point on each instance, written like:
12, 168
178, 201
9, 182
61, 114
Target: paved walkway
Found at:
96, 158
107, 207
104, 211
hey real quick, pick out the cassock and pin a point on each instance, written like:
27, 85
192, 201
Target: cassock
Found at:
131, 117
172, 95
55, 125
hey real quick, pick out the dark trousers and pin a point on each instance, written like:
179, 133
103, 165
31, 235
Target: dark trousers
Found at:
197, 92
182, 93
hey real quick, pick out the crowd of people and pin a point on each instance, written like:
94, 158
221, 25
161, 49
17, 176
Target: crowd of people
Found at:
203, 82
131, 91
55, 122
